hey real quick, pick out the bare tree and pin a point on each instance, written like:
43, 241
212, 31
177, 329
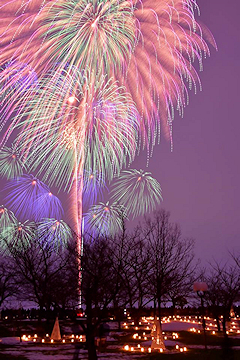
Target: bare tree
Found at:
131, 258
181, 287
8, 286
101, 284
139, 260
41, 272
171, 257
131, 263
120, 256
224, 289
213, 295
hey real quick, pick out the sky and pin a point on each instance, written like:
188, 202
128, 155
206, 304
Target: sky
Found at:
200, 178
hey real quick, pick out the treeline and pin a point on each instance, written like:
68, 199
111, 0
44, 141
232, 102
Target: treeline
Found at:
151, 266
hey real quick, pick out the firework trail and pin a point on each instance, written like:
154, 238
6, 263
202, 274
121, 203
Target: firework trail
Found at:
19, 76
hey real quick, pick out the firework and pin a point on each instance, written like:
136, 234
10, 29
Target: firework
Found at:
147, 45
30, 198
23, 234
160, 71
93, 186
104, 219
137, 190
11, 164
47, 205
15, 79
98, 33
54, 234
72, 119
19, 76
8, 224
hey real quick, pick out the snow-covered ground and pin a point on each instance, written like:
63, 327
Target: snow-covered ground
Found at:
61, 352
68, 351
179, 326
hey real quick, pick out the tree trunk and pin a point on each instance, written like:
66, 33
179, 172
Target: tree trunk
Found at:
90, 333
40, 313
154, 308
224, 325
173, 306
226, 345
218, 323
118, 314
160, 311
91, 347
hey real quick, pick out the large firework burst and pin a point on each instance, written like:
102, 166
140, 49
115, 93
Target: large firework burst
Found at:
147, 45
78, 27
73, 118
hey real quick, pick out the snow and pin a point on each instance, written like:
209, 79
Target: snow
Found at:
113, 325
10, 340
66, 352
180, 326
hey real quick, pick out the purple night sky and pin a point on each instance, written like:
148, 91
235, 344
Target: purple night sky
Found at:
200, 178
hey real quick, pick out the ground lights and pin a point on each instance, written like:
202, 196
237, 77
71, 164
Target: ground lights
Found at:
181, 349
140, 348
143, 333
66, 339
146, 323
144, 336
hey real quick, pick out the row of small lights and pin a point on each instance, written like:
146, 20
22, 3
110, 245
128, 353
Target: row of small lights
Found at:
139, 337
188, 319
164, 320
149, 350
149, 319
214, 332
178, 317
139, 348
35, 338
